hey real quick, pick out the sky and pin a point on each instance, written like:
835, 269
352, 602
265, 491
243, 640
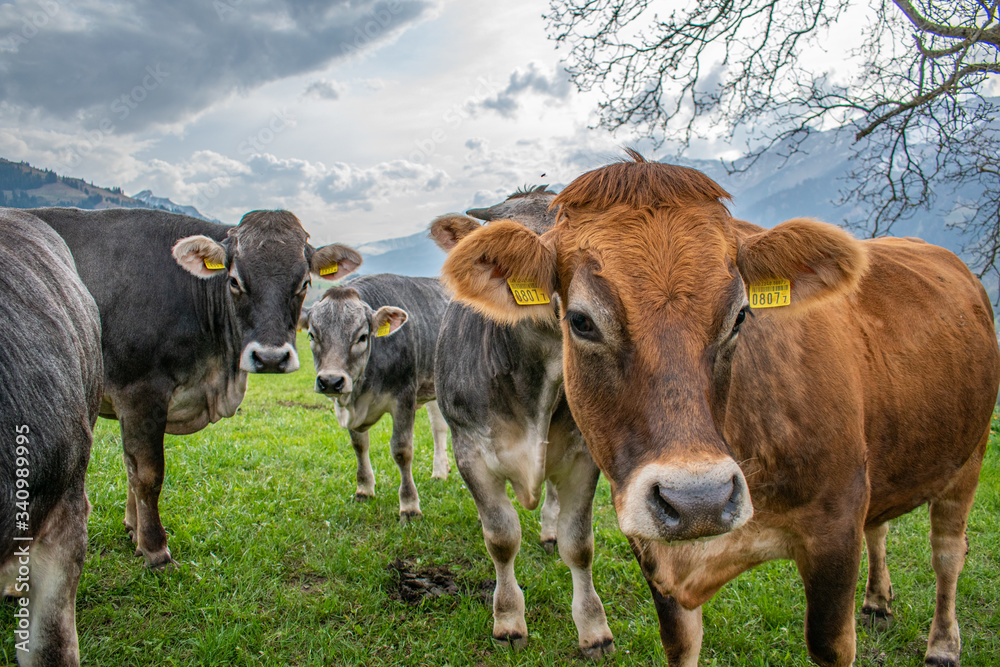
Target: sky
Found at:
366, 118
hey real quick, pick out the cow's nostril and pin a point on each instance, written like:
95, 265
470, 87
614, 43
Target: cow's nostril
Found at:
320, 384
734, 503
338, 383
668, 513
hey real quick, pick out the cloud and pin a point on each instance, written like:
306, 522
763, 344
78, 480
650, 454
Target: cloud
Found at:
150, 62
555, 86
349, 186
324, 89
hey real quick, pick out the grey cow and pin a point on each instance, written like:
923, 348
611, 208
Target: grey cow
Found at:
50, 390
500, 390
188, 308
370, 364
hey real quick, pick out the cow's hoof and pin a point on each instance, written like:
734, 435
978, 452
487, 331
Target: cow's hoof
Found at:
940, 661
877, 618
598, 650
549, 546
161, 561
514, 641
440, 474
130, 531
362, 497
407, 517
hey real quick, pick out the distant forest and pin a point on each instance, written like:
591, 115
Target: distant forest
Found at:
15, 181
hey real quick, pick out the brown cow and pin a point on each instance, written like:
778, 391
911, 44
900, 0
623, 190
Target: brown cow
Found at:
783, 432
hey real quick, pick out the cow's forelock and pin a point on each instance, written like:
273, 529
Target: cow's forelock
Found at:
257, 228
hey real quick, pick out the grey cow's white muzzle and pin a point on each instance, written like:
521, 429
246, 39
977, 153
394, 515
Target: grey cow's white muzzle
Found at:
257, 358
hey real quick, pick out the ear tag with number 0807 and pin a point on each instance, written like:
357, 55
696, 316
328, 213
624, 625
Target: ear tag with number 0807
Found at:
383, 330
328, 270
527, 292
212, 266
770, 293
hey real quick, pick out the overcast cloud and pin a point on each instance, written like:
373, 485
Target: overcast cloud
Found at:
140, 62
367, 118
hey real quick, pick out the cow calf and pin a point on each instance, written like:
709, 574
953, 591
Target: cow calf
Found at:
370, 365
50, 391
500, 389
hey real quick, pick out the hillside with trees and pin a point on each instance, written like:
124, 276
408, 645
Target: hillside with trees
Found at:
24, 186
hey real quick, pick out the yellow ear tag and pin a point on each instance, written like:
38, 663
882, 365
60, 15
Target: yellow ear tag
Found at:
771, 293
527, 292
212, 266
328, 270
382, 330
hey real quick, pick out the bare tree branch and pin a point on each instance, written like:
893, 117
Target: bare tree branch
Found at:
733, 70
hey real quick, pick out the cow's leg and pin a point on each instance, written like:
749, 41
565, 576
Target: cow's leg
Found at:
439, 431
576, 487
143, 423
401, 446
366, 476
878, 592
830, 572
130, 520
550, 517
502, 532
55, 559
949, 516
681, 630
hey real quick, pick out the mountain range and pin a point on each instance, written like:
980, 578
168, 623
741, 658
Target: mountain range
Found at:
775, 189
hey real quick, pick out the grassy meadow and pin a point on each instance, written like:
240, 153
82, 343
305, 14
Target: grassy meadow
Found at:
279, 566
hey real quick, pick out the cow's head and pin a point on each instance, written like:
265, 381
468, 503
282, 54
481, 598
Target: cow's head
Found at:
527, 210
652, 273
531, 206
342, 329
266, 262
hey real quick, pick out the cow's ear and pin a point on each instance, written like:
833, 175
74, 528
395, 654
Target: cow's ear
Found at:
478, 269
447, 230
201, 256
334, 261
303, 323
387, 320
818, 260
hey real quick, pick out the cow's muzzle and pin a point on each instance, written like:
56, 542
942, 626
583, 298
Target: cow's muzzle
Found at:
684, 502
257, 358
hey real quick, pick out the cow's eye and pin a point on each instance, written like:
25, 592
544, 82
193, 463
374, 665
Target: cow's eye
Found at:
581, 325
234, 285
305, 286
740, 316
311, 337
362, 339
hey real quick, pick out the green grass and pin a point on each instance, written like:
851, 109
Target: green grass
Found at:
281, 567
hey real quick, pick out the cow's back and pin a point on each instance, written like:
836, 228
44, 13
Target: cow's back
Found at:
50, 369
902, 374
407, 356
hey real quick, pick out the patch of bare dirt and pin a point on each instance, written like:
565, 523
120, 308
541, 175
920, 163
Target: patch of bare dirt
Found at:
414, 583
307, 406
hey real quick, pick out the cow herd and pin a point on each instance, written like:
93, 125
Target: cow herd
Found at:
751, 394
